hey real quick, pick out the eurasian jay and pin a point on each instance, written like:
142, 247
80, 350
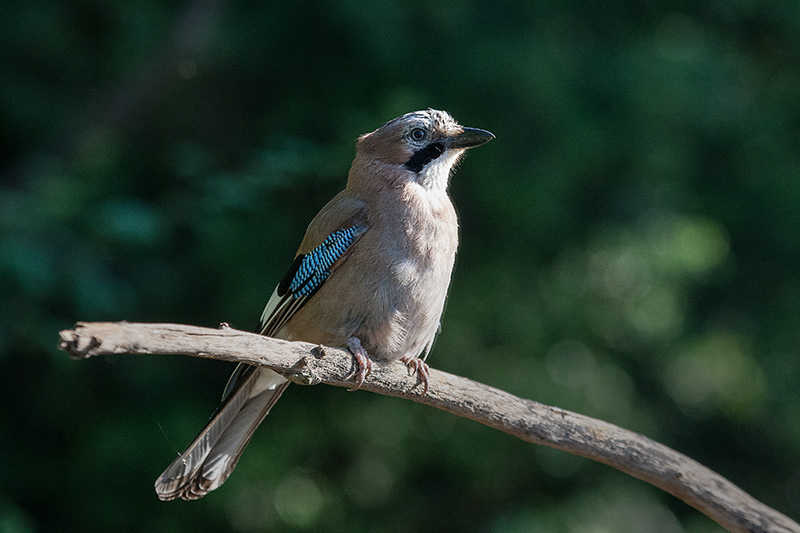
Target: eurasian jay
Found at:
371, 274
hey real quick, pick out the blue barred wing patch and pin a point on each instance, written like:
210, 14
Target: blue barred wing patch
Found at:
308, 273
315, 266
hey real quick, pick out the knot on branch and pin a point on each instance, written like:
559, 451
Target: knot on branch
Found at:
302, 374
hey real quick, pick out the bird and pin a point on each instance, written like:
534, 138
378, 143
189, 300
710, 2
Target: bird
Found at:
371, 274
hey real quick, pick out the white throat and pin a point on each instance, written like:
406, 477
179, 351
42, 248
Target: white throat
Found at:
436, 174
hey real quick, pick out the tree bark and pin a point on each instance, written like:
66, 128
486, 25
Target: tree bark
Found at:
309, 364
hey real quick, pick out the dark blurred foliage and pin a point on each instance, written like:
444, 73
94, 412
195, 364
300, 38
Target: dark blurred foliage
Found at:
630, 250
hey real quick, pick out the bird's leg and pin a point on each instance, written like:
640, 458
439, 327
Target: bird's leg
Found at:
420, 368
362, 361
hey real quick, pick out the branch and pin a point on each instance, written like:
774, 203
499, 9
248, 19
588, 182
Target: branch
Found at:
528, 420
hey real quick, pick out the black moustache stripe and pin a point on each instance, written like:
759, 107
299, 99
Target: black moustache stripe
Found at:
423, 156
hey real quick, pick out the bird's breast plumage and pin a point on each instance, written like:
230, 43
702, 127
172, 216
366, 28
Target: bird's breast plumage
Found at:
420, 237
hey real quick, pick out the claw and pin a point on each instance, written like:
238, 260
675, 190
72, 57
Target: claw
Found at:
420, 368
363, 363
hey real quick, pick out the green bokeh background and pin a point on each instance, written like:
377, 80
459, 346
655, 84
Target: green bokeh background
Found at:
630, 250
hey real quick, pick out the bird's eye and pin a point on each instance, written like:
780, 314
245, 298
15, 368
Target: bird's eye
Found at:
417, 134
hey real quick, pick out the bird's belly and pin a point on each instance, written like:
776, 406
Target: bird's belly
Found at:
395, 314
408, 310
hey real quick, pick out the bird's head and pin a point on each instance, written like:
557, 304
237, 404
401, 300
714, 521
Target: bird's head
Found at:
421, 146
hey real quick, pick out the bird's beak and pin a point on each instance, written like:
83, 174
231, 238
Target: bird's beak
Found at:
468, 138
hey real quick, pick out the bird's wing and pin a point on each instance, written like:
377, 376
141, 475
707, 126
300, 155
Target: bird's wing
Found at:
328, 241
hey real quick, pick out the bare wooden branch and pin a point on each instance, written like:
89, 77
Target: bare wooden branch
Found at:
531, 421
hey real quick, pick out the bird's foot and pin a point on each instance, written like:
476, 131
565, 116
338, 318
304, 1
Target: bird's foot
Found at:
363, 363
420, 368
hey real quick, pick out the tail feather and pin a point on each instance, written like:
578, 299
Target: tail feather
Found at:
212, 456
